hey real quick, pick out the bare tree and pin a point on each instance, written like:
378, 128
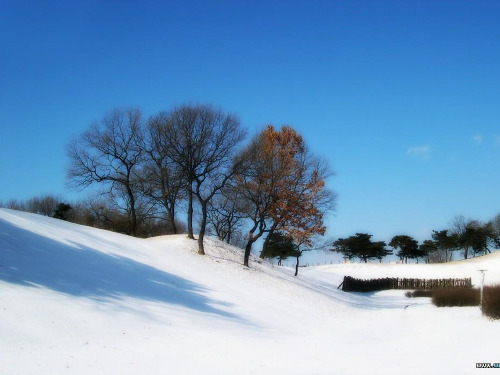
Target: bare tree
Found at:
14, 204
203, 144
226, 214
438, 256
462, 228
43, 204
256, 184
162, 180
109, 153
445, 244
495, 227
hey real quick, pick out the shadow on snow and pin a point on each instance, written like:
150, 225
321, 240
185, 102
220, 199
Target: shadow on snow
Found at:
29, 259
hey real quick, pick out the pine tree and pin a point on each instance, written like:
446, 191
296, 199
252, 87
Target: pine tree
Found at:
280, 246
408, 247
61, 211
445, 243
360, 246
427, 248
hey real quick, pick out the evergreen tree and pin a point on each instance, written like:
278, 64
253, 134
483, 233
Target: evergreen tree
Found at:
477, 237
445, 242
61, 211
427, 248
408, 247
380, 250
360, 246
280, 246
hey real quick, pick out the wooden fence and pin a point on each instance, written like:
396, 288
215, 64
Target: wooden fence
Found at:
351, 284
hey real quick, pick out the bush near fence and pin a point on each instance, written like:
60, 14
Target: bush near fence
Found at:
450, 297
350, 284
470, 297
419, 293
491, 301
444, 292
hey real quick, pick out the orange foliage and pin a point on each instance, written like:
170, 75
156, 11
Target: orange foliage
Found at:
293, 183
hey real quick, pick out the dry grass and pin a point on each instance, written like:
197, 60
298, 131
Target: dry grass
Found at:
491, 301
448, 297
419, 293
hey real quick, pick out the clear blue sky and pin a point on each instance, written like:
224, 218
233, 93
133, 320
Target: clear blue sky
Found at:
403, 97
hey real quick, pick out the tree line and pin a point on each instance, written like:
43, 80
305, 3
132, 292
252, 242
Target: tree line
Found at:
197, 162
466, 236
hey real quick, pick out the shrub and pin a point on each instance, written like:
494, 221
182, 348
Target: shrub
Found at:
491, 301
61, 211
419, 293
448, 297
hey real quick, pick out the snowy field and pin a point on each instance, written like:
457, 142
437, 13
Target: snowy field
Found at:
78, 300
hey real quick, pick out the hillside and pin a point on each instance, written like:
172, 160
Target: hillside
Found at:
80, 300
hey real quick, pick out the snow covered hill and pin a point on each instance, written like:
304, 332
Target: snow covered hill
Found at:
79, 300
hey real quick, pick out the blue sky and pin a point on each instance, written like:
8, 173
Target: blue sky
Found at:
403, 97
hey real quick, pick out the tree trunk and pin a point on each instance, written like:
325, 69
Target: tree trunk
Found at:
252, 239
174, 227
266, 242
229, 234
171, 216
297, 264
190, 213
203, 225
133, 215
248, 249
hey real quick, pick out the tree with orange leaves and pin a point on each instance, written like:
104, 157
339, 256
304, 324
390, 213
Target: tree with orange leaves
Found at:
285, 187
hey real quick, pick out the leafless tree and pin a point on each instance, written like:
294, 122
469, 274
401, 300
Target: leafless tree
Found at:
438, 256
256, 184
226, 214
14, 204
109, 153
204, 145
458, 227
458, 224
162, 179
43, 204
495, 227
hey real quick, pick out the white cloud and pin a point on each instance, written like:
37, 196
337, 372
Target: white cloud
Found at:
477, 139
423, 152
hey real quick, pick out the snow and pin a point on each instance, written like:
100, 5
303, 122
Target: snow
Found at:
80, 300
